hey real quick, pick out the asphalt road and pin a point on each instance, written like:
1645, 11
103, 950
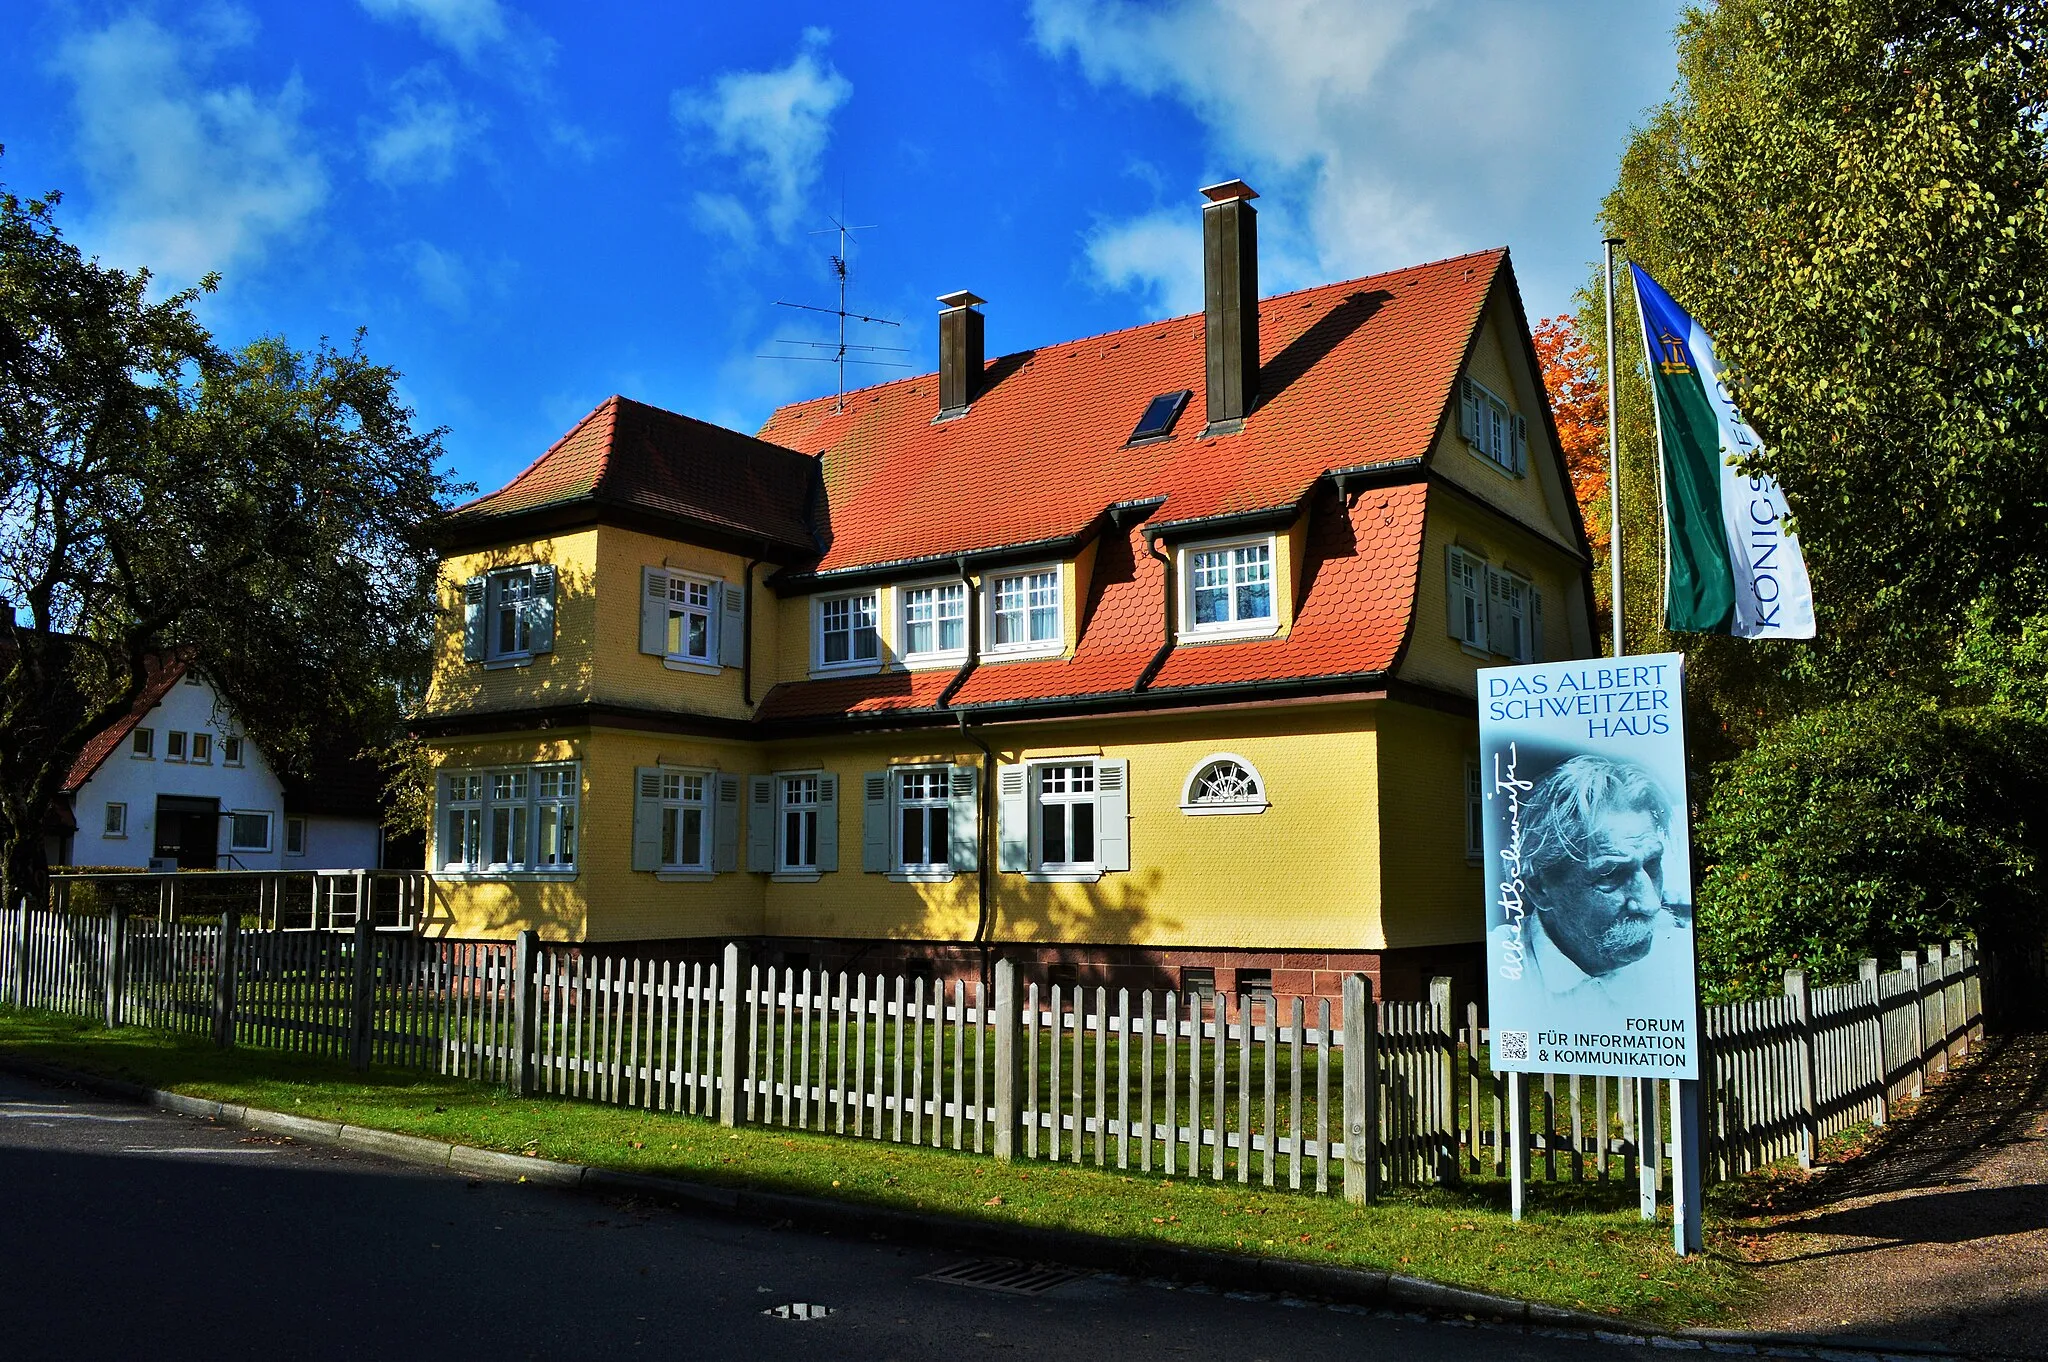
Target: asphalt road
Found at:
128, 1233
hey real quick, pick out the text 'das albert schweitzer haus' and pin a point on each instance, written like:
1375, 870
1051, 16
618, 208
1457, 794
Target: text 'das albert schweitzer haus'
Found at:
1589, 943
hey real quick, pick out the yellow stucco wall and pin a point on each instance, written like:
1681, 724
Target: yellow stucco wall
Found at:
563, 676
1539, 496
1436, 889
1437, 659
631, 677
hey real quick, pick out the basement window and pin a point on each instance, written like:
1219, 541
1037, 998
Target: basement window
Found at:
1160, 414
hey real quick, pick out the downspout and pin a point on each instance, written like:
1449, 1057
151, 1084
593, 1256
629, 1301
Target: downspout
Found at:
1166, 612
747, 638
984, 816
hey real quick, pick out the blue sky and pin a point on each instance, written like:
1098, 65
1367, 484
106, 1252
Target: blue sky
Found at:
531, 207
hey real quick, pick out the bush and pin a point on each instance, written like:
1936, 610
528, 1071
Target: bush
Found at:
1868, 829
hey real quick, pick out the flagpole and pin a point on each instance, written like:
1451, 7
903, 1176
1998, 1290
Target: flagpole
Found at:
1613, 451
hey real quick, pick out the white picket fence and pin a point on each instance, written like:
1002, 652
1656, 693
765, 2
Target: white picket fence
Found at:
1250, 1089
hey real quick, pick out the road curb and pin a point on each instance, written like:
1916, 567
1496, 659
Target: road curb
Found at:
1221, 1271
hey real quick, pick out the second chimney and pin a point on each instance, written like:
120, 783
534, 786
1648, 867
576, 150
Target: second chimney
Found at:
1230, 300
960, 356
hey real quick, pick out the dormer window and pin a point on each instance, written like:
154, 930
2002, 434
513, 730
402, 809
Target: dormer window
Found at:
1024, 612
1492, 428
1228, 590
847, 633
935, 620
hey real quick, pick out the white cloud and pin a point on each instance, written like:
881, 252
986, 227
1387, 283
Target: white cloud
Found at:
1382, 132
1157, 256
186, 177
427, 130
487, 37
442, 277
775, 125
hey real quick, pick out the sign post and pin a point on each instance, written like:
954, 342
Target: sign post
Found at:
1590, 959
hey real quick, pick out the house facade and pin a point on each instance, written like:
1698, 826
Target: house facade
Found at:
175, 784
1142, 658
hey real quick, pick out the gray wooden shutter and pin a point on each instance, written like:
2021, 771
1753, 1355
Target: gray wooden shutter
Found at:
654, 611
725, 824
1519, 433
1013, 819
760, 822
647, 818
963, 820
874, 822
1489, 583
1471, 412
1457, 594
540, 629
1113, 815
473, 619
1535, 624
828, 822
732, 628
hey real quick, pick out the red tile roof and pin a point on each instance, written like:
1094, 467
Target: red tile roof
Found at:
1352, 373
630, 455
164, 673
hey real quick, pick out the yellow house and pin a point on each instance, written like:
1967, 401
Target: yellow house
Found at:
1144, 658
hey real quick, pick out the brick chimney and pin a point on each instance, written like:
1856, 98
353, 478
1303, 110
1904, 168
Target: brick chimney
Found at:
1230, 301
960, 353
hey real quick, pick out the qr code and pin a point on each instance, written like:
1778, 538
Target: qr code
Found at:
1514, 1045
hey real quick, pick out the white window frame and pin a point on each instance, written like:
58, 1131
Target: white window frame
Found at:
901, 801
294, 835
1511, 599
1466, 597
991, 610
115, 820
799, 783
1260, 626
674, 805
1493, 428
497, 608
680, 608
820, 605
142, 744
174, 744
907, 603
269, 829
529, 814
200, 751
231, 749
1190, 803
1037, 773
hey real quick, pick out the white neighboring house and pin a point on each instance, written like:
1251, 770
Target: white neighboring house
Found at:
173, 784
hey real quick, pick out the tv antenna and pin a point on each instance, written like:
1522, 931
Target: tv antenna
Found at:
841, 352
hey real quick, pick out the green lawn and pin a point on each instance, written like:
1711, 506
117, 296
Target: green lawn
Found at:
1582, 1246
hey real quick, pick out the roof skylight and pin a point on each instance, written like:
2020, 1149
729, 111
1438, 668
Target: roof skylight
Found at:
1160, 414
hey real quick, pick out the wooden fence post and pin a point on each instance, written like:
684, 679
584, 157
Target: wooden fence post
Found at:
18, 984
1447, 1080
1009, 1074
1973, 992
115, 922
525, 958
735, 1037
362, 995
1361, 1091
1802, 1023
224, 981
1866, 975
1937, 956
1909, 961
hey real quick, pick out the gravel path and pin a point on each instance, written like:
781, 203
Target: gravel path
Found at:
1940, 1237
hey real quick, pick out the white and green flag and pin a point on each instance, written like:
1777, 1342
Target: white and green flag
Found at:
1731, 564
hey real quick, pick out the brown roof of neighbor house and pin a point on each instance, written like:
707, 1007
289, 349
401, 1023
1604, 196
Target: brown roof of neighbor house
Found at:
165, 672
629, 456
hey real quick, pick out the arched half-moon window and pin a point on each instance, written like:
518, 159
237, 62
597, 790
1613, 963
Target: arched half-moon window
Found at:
1224, 783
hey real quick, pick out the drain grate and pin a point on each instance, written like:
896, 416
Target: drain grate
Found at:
798, 1310
1001, 1274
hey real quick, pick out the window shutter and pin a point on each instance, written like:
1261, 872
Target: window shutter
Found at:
725, 825
1495, 636
1521, 437
732, 628
1113, 814
1462, 606
761, 823
874, 822
473, 620
1468, 410
963, 820
828, 822
1013, 819
647, 818
540, 629
654, 611
1535, 624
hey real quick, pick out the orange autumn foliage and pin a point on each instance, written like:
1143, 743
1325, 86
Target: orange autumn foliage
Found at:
1578, 402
